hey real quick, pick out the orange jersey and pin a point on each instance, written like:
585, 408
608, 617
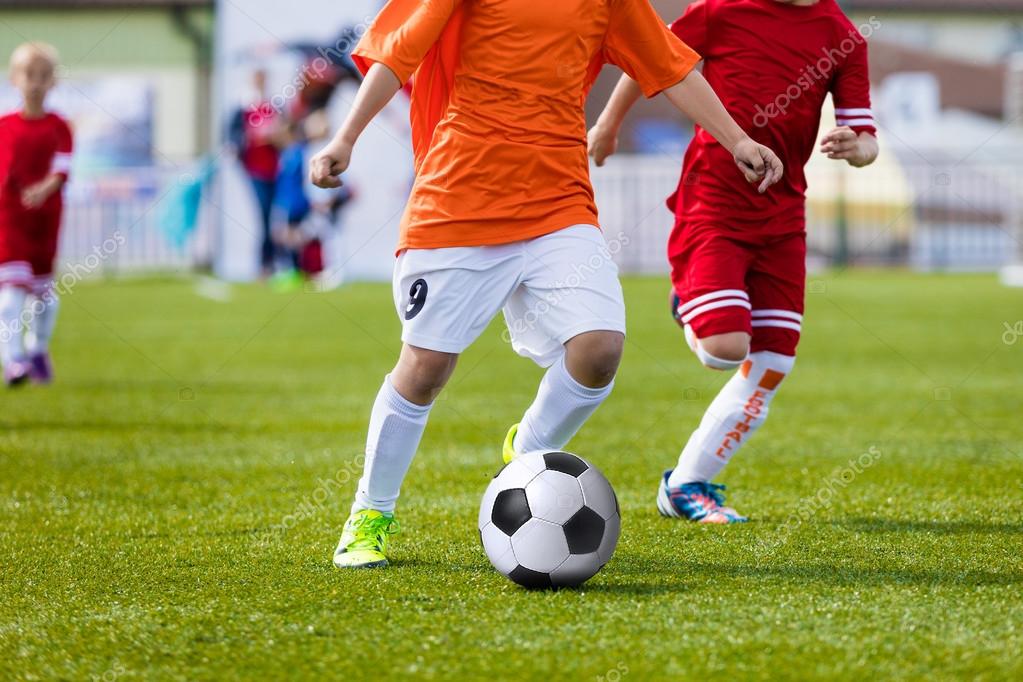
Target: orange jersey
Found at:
498, 88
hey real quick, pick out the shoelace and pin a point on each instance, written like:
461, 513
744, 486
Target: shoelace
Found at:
372, 533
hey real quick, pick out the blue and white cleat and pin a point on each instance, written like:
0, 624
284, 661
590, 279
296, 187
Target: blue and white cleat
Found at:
700, 502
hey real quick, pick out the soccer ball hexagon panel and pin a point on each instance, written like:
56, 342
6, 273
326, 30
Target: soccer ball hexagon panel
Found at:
549, 519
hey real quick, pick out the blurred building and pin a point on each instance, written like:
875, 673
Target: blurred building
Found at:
968, 46
162, 48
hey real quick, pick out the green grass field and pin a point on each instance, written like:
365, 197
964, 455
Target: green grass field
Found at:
169, 508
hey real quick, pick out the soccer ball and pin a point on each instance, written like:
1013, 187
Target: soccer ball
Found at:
549, 519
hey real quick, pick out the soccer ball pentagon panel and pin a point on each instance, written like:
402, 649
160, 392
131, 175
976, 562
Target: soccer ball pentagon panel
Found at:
549, 519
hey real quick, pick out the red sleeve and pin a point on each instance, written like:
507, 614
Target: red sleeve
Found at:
693, 26
851, 91
639, 44
65, 145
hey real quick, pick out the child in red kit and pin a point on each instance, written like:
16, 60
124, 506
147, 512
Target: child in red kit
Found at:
738, 258
35, 157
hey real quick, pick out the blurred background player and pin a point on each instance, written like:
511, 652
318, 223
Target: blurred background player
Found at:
35, 158
305, 213
502, 211
256, 132
738, 258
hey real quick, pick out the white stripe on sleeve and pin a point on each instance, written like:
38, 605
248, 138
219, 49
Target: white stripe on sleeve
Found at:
855, 121
61, 163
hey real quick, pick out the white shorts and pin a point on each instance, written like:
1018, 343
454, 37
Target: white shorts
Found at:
551, 289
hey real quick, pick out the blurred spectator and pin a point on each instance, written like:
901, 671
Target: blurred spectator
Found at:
305, 213
255, 134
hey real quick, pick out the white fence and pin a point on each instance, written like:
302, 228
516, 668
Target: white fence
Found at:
905, 210
931, 215
124, 221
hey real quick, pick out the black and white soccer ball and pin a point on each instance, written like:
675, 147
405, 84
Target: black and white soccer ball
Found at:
549, 519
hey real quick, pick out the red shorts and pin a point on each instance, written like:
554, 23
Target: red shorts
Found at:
729, 281
28, 246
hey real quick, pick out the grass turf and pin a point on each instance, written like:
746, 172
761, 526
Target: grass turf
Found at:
169, 508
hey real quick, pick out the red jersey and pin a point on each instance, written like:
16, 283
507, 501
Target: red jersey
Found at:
260, 155
772, 64
30, 150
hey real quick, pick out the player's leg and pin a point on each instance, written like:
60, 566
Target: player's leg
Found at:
42, 307
446, 298
14, 284
43, 303
569, 316
775, 282
712, 305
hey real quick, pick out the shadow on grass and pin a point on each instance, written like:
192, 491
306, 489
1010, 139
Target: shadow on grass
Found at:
845, 576
940, 527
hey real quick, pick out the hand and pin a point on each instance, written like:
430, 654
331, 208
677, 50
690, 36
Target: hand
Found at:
601, 143
325, 168
758, 163
842, 143
36, 195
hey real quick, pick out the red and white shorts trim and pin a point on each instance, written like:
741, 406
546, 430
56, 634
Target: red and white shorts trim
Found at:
755, 286
19, 274
715, 300
16, 273
780, 319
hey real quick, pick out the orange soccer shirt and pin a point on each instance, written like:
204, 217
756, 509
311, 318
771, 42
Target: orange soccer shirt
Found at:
498, 91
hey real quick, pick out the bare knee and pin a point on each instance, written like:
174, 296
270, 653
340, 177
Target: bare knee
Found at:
730, 347
592, 358
421, 374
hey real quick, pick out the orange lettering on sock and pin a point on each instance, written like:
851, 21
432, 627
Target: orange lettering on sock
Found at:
771, 380
744, 369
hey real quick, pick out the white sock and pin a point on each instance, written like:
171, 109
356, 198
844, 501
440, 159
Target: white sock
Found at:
561, 407
44, 318
12, 303
395, 428
732, 418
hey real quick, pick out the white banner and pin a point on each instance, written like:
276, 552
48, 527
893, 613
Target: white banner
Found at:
297, 45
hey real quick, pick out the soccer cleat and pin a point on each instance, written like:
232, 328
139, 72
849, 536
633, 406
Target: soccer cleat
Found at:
698, 501
16, 373
40, 368
508, 452
364, 540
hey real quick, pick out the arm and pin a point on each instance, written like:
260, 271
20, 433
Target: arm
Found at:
36, 195
603, 136
693, 29
844, 144
854, 137
378, 88
694, 97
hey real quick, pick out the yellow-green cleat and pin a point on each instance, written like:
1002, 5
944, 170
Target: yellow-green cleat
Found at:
508, 453
364, 540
